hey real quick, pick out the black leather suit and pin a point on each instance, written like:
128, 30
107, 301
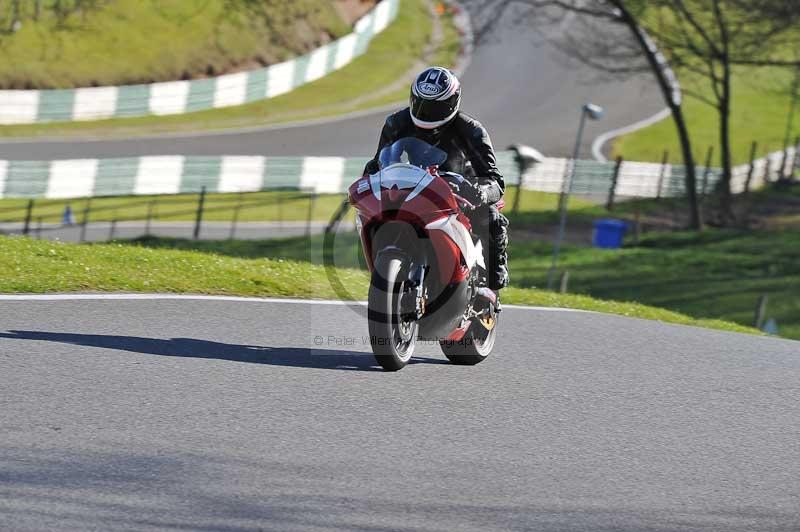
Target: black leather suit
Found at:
470, 153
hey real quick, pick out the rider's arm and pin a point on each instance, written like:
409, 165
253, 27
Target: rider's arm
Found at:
484, 162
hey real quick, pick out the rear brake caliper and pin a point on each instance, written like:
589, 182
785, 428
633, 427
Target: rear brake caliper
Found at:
488, 321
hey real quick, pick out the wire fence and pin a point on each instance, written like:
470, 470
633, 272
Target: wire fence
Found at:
267, 197
280, 213
633, 179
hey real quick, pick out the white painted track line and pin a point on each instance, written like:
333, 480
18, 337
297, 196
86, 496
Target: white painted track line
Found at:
599, 142
235, 299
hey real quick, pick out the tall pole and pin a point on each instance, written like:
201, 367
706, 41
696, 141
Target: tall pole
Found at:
564, 200
199, 217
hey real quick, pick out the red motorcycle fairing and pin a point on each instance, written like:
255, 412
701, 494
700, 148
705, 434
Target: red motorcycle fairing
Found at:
432, 203
451, 264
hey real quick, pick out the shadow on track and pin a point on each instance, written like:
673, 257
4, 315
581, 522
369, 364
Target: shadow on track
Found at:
298, 357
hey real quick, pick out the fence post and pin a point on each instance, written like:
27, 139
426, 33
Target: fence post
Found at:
199, 218
707, 173
767, 170
85, 220
338, 216
39, 228
565, 178
235, 220
796, 161
517, 197
702, 200
662, 174
113, 229
310, 217
761, 311
520, 186
752, 170
782, 175
612, 191
149, 217
280, 211
26, 229
525, 158
564, 283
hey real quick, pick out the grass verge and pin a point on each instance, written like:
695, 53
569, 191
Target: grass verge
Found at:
143, 41
702, 278
361, 85
30, 266
761, 104
712, 275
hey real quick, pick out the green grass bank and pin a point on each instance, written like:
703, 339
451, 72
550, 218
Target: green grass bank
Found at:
713, 276
31, 266
378, 78
143, 41
760, 113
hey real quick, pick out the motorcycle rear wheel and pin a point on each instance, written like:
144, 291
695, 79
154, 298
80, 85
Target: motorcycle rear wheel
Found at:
475, 347
392, 337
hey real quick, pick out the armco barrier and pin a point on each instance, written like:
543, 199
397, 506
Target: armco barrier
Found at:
177, 97
180, 174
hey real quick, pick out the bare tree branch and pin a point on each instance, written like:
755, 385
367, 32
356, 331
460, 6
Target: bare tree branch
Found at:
701, 40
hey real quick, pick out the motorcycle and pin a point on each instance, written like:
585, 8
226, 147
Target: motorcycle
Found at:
428, 276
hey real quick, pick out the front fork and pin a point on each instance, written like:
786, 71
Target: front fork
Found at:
415, 300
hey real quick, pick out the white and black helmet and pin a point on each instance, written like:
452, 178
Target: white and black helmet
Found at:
435, 98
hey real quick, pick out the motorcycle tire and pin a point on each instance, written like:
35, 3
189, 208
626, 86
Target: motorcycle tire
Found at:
392, 339
474, 348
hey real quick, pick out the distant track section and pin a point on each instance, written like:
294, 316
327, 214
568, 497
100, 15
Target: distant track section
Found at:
178, 97
517, 84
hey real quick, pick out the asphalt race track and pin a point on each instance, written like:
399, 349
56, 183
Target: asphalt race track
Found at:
519, 86
234, 415
244, 416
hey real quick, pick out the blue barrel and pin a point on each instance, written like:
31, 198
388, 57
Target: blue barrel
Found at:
608, 234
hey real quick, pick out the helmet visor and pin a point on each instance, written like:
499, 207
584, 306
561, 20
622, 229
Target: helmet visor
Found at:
434, 110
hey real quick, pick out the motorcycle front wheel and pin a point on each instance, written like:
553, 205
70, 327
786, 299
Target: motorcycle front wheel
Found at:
392, 336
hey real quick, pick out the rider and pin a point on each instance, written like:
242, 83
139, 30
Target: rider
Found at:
435, 117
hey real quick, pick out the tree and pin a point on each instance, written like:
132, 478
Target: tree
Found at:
708, 38
704, 39
596, 40
18, 11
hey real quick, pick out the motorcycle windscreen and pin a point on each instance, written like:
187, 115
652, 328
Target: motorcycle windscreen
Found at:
411, 151
402, 176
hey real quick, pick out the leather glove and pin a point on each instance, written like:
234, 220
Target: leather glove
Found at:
475, 194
